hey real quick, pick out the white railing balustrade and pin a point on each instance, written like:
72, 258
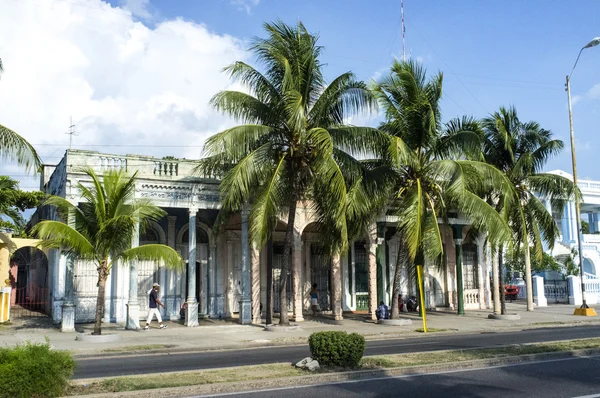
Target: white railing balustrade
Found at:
112, 163
592, 286
471, 299
166, 168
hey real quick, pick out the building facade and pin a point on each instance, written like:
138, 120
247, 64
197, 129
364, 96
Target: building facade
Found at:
567, 225
224, 272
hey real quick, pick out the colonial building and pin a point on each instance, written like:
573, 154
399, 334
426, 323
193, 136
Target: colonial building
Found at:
225, 274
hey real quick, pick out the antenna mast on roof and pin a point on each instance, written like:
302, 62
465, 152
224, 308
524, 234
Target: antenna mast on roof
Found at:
403, 31
71, 132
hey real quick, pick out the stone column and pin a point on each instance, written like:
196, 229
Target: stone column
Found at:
230, 281
256, 318
480, 256
575, 296
307, 274
372, 251
539, 295
337, 286
297, 277
211, 279
133, 305
191, 314
245, 302
169, 290
382, 263
566, 221
67, 323
573, 222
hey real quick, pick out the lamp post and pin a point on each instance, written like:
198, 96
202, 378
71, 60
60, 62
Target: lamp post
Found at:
584, 310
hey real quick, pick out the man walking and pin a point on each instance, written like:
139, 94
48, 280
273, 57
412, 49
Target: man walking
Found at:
153, 303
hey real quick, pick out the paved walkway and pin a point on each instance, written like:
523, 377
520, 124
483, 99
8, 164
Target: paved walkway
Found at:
218, 334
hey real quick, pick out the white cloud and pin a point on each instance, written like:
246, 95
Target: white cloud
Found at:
139, 8
123, 82
245, 5
592, 94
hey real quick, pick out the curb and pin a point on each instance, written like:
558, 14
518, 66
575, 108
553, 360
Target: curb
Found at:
315, 379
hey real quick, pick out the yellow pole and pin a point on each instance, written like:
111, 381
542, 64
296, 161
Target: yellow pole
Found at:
422, 296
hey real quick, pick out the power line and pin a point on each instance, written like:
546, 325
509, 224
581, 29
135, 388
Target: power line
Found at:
449, 68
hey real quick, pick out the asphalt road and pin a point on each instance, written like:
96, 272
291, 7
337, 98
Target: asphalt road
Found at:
574, 377
165, 362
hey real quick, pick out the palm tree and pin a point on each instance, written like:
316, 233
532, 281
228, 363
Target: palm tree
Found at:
13, 147
101, 229
430, 178
520, 150
292, 137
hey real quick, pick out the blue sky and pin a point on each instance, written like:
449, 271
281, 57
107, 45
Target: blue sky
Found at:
491, 53
136, 72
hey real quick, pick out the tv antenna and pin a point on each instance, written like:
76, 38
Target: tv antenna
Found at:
71, 132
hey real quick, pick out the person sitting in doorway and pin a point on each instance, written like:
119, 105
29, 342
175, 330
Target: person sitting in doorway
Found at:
182, 311
382, 311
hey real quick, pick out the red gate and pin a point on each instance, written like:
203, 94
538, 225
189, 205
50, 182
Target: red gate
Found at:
29, 301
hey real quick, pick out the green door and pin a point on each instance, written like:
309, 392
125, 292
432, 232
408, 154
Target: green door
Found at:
361, 272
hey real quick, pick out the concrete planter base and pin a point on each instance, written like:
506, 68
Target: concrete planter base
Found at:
507, 317
394, 322
102, 338
277, 328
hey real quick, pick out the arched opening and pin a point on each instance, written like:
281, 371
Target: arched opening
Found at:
361, 275
469, 265
29, 282
319, 270
147, 270
588, 266
278, 253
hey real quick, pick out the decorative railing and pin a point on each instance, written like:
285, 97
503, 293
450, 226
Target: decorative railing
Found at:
362, 301
166, 168
587, 275
471, 298
592, 286
112, 163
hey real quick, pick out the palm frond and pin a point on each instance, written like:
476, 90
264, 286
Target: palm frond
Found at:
153, 252
56, 235
13, 147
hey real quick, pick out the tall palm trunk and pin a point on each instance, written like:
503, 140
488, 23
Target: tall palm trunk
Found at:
528, 282
270, 281
495, 284
285, 266
501, 284
395, 313
102, 276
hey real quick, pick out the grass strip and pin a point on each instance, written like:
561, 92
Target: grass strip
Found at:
280, 370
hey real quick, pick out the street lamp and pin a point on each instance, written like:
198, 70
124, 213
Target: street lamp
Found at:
584, 310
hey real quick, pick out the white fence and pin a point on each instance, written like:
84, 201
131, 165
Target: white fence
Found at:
592, 290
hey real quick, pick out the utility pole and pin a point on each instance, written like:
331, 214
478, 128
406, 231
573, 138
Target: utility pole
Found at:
71, 132
403, 31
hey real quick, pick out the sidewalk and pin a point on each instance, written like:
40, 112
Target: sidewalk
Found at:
220, 334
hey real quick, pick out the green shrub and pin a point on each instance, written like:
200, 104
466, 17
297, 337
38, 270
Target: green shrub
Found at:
33, 370
337, 348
